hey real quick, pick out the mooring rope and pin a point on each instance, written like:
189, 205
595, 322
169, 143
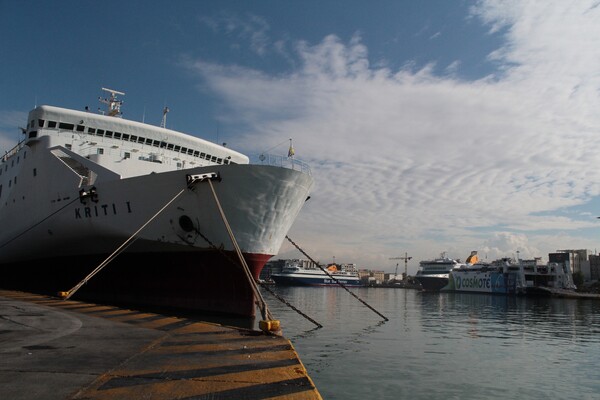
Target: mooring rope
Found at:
39, 222
119, 250
284, 301
263, 285
262, 305
337, 281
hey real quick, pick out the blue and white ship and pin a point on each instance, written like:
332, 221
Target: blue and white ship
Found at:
504, 276
295, 274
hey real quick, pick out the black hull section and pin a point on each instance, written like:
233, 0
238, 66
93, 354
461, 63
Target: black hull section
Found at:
432, 284
205, 282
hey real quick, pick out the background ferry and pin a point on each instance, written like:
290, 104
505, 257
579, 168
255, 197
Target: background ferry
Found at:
294, 273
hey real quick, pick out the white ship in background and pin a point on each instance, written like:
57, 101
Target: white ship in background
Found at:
81, 184
433, 274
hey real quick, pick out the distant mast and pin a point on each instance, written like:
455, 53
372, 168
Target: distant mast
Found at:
163, 122
114, 105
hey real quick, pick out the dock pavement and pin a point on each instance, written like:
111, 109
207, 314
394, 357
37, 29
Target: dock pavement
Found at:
55, 349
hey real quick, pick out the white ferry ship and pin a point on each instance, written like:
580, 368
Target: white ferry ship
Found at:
433, 274
295, 274
81, 184
508, 277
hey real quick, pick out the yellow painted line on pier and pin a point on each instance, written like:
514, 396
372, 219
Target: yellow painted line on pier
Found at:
192, 360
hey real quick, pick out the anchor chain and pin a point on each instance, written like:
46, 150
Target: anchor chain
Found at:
337, 281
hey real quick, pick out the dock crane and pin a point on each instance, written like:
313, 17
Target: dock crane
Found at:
405, 258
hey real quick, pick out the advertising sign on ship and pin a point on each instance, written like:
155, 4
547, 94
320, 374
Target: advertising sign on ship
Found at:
478, 282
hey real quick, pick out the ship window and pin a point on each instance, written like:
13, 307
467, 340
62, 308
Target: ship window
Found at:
10, 183
35, 172
15, 180
32, 123
163, 145
220, 160
202, 155
108, 134
178, 165
117, 135
32, 134
80, 128
141, 139
177, 148
213, 158
226, 161
156, 143
170, 146
190, 151
41, 123
133, 138
184, 150
125, 136
68, 146
196, 153
51, 124
100, 150
67, 126
127, 155
148, 141
91, 130
100, 132
0, 190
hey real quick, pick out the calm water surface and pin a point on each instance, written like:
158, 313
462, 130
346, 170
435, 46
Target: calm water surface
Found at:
443, 345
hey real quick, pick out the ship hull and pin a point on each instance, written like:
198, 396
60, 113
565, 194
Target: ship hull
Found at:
504, 283
292, 280
177, 254
432, 283
206, 282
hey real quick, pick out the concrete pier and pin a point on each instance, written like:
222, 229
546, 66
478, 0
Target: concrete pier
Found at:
54, 349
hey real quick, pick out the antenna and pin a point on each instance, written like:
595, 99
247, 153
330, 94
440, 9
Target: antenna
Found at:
163, 122
114, 105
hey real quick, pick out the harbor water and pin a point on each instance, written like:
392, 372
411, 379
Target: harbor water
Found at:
443, 345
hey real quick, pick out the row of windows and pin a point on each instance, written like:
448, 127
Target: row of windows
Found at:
130, 138
14, 181
12, 164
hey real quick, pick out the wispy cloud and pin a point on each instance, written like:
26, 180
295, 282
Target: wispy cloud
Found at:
405, 156
252, 29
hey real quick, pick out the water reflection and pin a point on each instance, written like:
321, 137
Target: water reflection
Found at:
443, 345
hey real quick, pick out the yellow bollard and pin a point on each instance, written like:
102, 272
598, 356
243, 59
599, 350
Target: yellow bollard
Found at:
272, 325
63, 295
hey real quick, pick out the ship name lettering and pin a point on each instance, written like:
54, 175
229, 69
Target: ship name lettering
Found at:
477, 283
101, 210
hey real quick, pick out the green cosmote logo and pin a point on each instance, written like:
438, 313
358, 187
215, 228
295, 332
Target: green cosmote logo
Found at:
473, 283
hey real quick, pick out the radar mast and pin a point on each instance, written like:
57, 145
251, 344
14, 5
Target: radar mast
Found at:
114, 105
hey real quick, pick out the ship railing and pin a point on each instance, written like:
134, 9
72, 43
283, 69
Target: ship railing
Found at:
8, 154
281, 161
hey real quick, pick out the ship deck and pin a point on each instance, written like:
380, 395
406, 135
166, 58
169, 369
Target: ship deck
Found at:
56, 349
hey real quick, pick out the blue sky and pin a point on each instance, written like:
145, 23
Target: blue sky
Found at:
430, 126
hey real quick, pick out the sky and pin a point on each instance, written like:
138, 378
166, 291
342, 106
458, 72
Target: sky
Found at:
430, 127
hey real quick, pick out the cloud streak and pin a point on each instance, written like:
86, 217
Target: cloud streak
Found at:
408, 161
